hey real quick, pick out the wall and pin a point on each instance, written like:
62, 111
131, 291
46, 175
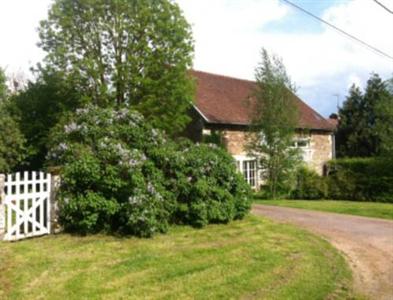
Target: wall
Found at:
319, 152
235, 141
321, 147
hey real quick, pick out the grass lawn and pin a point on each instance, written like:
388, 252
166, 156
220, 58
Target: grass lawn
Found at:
253, 258
367, 209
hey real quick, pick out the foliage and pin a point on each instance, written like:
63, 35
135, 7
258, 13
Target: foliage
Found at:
384, 122
309, 185
120, 174
206, 184
39, 108
274, 123
3, 86
104, 153
125, 52
365, 121
362, 179
350, 117
89, 213
12, 142
215, 137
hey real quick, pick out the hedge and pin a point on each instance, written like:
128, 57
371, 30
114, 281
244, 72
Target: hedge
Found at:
361, 179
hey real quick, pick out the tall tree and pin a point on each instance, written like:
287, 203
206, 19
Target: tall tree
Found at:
384, 121
3, 85
348, 136
124, 52
364, 119
39, 107
11, 139
274, 124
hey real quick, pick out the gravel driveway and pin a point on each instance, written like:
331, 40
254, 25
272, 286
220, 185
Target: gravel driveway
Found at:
366, 242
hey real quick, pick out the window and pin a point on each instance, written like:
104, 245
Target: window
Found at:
304, 145
248, 167
250, 172
301, 143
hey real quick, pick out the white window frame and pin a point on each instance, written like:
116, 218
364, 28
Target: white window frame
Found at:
248, 167
305, 150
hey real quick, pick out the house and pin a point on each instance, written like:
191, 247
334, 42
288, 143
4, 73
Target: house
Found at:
223, 107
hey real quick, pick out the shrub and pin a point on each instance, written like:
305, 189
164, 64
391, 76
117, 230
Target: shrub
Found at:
119, 174
310, 185
106, 173
206, 184
362, 179
88, 213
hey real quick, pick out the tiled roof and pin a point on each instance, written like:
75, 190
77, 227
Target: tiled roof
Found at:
334, 122
226, 100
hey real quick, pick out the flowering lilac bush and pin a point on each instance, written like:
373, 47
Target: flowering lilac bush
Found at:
207, 187
108, 182
119, 174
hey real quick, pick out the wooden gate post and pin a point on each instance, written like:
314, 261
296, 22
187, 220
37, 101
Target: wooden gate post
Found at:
2, 206
54, 204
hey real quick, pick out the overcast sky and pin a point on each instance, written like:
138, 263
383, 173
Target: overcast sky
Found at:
230, 33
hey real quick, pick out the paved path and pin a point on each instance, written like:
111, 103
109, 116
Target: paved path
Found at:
366, 242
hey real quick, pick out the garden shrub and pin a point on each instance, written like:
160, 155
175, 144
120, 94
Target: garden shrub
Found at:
89, 213
120, 174
206, 184
103, 154
362, 179
309, 185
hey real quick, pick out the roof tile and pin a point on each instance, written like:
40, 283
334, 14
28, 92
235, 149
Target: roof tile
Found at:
227, 100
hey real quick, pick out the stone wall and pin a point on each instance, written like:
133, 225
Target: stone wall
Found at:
54, 208
234, 141
321, 147
319, 152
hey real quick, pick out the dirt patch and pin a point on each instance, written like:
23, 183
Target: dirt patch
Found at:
366, 242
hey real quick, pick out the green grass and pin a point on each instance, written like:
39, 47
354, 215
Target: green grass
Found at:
254, 258
366, 209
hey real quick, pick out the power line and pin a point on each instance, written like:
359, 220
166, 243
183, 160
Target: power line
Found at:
340, 30
383, 6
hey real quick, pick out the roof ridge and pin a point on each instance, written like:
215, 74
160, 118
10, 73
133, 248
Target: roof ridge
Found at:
224, 76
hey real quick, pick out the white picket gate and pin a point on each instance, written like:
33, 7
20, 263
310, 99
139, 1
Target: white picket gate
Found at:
27, 205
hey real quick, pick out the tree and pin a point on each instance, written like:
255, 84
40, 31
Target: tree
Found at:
39, 108
384, 122
11, 140
365, 120
3, 85
135, 53
274, 124
350, 116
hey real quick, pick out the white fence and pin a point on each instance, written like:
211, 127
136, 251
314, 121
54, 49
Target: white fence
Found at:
26, 201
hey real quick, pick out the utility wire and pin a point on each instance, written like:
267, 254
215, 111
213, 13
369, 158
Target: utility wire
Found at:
340, 30
383, 6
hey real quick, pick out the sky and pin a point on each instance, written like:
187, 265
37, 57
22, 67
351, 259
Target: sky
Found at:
229, 35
